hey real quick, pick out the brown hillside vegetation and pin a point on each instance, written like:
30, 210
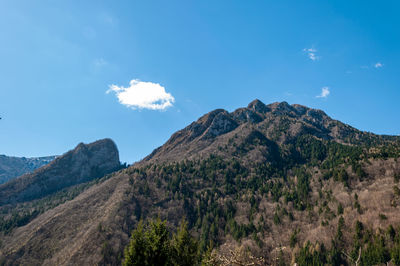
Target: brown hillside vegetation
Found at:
261, 181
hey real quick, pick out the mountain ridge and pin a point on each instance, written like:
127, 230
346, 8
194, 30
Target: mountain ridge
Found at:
262, 177
79, 165
302, 120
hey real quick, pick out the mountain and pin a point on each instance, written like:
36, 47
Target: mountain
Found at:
284, 182
11, 167
279, 122
79, 165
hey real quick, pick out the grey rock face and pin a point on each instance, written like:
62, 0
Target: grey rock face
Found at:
258, 106
221, 124
244, 115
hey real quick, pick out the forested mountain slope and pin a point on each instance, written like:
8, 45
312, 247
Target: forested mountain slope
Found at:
269, 178
24, 198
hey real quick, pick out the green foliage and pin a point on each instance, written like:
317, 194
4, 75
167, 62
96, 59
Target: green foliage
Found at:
375, 253
357, 206
107, 253
184, 246
139, 246
20, 214
358, 228
153, 245
358, 170
277, 219
300, 195
335, 255
17, 220
391, 232
395, 254
293, 238
374, 249
338, 154
396, 177
382, 216
396, 190
339, 233
340, 209
310, 149
310, 255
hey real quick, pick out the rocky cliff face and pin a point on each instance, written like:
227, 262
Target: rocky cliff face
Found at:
11, 167
79, 165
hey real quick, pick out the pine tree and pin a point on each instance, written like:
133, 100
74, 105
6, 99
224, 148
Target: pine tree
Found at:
149, 246
154, 245
137, 251
184, 246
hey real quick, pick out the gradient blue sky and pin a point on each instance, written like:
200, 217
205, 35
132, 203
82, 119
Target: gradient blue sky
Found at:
58, 59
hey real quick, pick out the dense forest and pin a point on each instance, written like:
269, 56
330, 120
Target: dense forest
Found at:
214, 190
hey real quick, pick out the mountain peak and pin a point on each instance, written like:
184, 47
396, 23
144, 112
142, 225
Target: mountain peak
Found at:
280, 122
258, 106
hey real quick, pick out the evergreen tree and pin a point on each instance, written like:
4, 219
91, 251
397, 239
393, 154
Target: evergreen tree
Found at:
184, 246
149, 246
154, 245
137, 251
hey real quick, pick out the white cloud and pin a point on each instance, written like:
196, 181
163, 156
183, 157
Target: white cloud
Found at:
376, 65
311, 53
143, 95
324, 93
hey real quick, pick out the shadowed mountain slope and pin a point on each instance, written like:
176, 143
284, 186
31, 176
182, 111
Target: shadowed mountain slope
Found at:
11, 167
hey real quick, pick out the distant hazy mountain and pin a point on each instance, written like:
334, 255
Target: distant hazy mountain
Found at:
11, 167
286, 182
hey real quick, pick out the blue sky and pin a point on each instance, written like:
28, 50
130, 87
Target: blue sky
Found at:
172, 61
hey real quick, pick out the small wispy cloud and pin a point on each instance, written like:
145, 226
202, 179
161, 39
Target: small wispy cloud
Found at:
100, 62
143, 95
325, 91
374, 65
311, 53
